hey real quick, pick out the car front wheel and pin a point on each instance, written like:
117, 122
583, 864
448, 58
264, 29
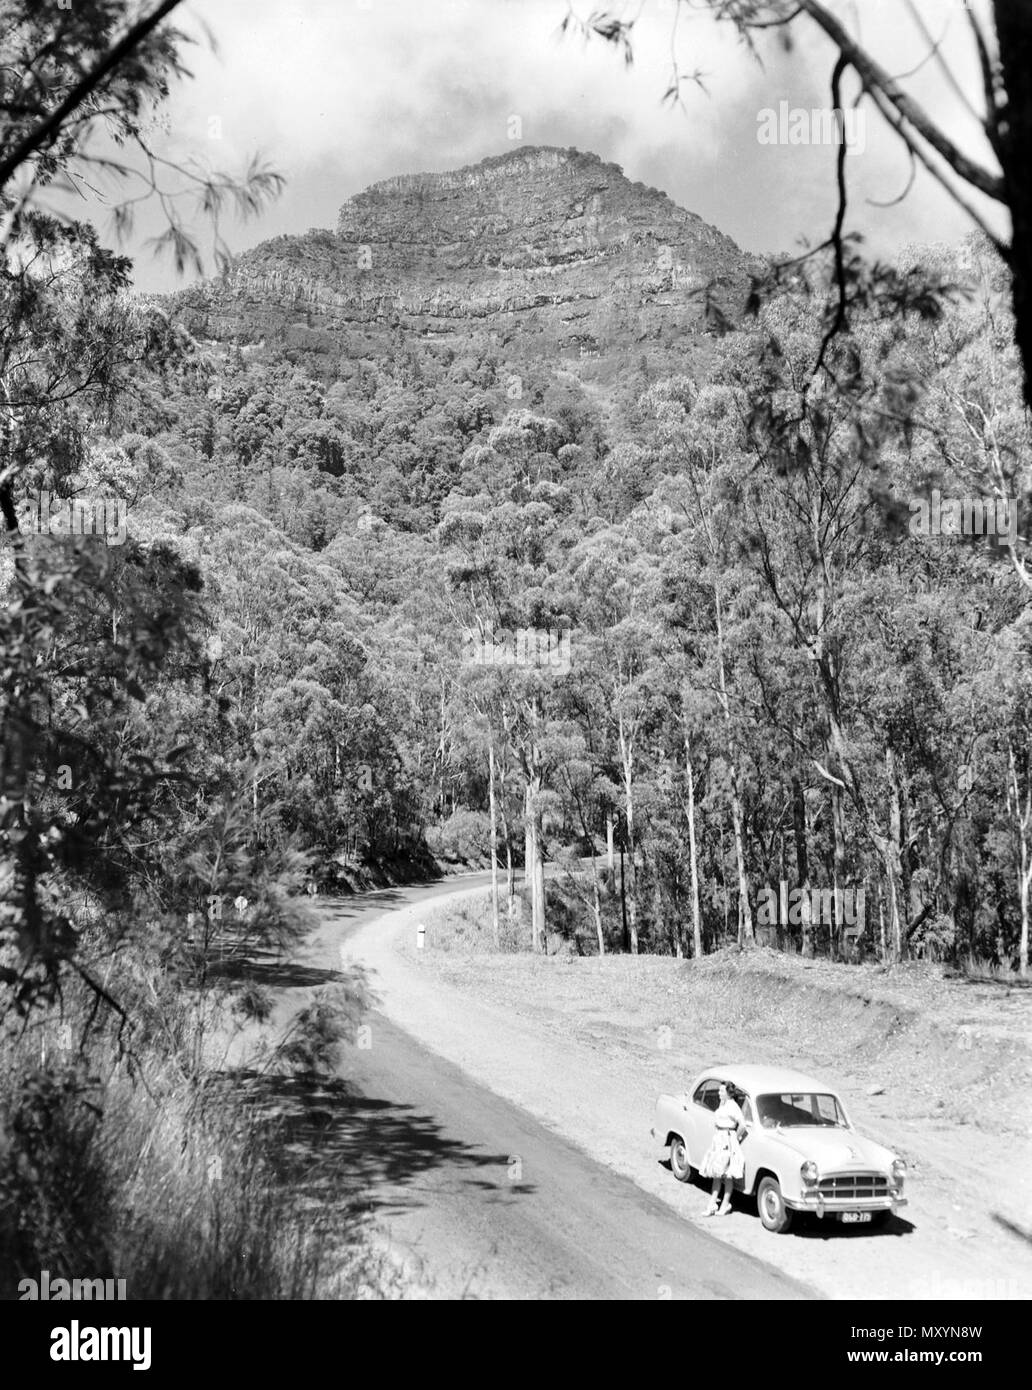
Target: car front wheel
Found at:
679, 1164
773, 1212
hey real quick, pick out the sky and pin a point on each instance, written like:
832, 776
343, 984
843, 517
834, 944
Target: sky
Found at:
337, 94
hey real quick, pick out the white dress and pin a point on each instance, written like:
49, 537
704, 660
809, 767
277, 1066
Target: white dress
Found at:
724, 1157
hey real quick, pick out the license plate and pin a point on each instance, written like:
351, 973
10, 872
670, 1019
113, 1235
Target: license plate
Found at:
855, 1216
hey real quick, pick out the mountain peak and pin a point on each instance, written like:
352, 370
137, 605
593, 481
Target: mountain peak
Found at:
549, 244
549, 204
521, 161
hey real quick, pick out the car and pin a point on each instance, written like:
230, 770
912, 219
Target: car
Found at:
801, 1151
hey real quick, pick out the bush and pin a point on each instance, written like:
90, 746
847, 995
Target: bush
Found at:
464, 838
319, 1033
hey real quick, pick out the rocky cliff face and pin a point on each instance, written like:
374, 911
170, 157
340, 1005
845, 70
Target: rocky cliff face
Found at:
551, 247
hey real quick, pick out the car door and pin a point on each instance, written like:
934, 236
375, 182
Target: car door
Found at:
699, 1118
749, 1147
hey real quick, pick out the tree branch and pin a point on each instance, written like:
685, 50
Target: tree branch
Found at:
48, 128
874, 76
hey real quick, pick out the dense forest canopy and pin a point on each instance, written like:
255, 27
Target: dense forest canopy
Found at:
735, 557
732, 553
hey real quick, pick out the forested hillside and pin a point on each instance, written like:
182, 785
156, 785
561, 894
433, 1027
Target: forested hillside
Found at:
381, 445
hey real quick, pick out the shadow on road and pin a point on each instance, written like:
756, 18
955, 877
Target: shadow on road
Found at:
359, 902
338, 1145
807, 1225
277, 973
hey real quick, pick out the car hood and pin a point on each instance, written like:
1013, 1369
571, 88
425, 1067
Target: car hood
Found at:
834, 1150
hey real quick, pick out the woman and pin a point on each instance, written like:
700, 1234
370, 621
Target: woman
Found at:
724, 1160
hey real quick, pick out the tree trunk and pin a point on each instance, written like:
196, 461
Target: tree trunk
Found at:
746, 936
881, 924
510, 870
887, 846
1023, 817
723, 867
1025, 883
627, 760
801, 858
442, 749
535, 870
693, 857
657, 913
611, 843
838, 874
538, 898
597, 905
1013, 21
893, 859
494, 838
529, 856
623, 902
254, 779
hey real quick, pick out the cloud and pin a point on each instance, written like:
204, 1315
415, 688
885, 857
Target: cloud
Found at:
340, 93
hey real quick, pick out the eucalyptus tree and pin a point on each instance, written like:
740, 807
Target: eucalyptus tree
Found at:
617, 669
695, 443
505, 545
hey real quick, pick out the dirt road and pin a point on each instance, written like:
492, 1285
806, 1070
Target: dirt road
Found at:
597, 1090
483, 1199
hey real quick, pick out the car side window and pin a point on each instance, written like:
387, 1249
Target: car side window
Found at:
747, 1110
708, 1095
827, 1109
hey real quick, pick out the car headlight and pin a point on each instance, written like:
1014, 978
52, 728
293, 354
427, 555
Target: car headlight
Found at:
899, 1169
808, 1172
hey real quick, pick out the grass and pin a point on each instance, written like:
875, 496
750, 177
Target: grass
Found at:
986, 971
156, 1169
468, 926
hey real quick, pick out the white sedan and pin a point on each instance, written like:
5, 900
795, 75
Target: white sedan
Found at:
801, 1151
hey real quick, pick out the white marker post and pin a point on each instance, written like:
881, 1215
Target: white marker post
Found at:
420, 936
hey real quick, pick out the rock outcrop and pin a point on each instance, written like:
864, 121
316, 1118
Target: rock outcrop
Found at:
552, 246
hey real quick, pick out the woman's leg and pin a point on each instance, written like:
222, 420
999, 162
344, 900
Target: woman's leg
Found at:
725, 1206
711, 1210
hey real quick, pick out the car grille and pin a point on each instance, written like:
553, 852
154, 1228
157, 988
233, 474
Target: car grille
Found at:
854, 1187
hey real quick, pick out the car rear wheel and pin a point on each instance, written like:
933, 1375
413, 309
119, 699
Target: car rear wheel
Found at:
679, 1163
773, 1212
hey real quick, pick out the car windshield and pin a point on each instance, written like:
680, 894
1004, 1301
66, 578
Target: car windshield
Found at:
800, 1109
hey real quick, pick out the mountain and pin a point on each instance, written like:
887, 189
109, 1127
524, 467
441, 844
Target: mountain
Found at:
547, 251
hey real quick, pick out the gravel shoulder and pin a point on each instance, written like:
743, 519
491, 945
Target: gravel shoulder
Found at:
585, 1046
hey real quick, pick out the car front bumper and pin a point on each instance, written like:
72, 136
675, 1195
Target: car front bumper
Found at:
821, 1205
